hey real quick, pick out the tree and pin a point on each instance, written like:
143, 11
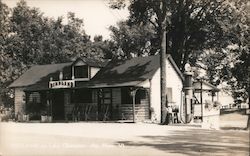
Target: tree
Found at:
142, 12
229, 62
191, 25
194, 28
132, 40
27, 37
5, 59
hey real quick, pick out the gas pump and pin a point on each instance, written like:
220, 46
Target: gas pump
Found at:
188, 92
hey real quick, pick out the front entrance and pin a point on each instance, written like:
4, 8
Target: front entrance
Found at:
58, 105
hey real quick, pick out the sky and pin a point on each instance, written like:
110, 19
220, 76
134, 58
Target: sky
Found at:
96, 14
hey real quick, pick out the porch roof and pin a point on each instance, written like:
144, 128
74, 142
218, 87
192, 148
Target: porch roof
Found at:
86, 84
109, 85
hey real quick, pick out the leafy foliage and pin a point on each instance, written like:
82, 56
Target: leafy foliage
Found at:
132, 40
212, 34
27, 37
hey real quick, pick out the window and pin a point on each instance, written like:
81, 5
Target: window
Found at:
81, 71
142, 94
169, 95
105, 96
128, 99
34, 97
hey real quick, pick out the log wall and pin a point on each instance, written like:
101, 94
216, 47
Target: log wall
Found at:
141, 111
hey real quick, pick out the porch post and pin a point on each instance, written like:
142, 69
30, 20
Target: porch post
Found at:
49, 103
212, 95
133, 94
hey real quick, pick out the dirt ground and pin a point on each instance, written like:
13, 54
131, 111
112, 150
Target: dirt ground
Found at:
123, 139
233, 121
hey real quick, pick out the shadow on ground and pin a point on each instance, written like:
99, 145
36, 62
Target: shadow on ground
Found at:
197, 142
233, 128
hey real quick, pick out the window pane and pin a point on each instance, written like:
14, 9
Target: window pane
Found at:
126, 98
81, 71
107, 95
35, 97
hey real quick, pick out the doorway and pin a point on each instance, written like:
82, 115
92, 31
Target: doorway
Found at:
58, 105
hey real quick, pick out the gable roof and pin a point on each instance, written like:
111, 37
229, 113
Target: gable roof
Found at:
92, 62
139, 68
129, 72
38, 76
135, 69
116, 73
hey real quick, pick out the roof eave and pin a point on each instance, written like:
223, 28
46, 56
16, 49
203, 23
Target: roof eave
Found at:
176, 67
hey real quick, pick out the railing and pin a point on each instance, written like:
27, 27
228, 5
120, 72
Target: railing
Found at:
205, 110
62, 84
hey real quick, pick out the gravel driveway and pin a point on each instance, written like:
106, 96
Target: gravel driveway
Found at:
118, 139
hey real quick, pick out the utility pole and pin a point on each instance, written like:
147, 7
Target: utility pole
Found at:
163, 78
248, 84
201, 101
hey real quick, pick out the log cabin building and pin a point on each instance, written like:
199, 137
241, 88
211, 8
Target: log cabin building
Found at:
98, 90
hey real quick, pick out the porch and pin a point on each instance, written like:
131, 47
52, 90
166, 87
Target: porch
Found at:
89, 104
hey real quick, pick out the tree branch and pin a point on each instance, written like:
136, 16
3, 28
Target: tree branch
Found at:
153, 23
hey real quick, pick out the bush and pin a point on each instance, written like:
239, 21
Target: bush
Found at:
7, 113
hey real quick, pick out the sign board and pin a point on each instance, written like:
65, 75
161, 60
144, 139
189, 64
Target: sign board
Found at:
62, 84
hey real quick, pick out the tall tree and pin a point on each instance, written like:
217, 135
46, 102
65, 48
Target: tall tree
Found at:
194, 27
27, 37
191, 25
158, 14
228, 61
5, 59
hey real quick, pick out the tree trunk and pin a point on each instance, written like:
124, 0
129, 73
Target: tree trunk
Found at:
163, 79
